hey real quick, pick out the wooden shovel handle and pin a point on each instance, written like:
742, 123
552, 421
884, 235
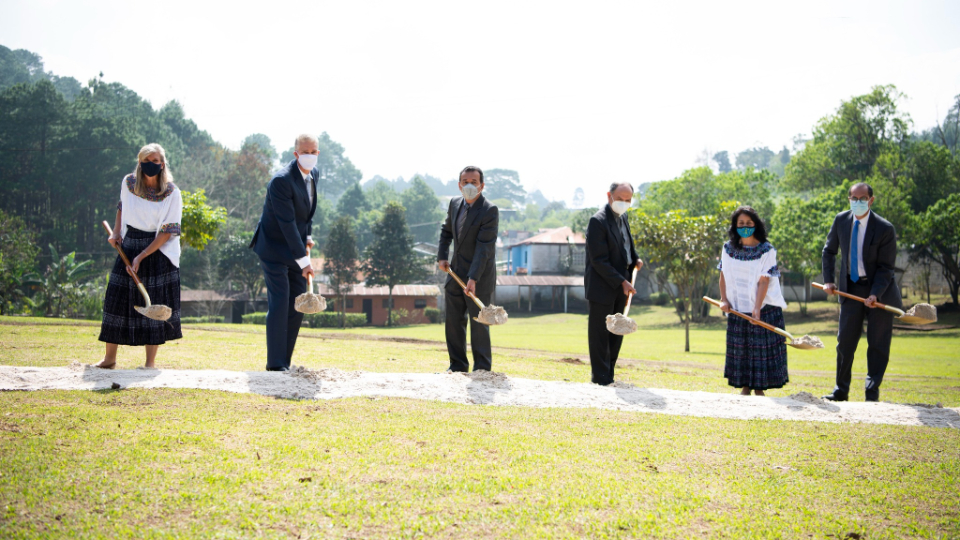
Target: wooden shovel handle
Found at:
891, 309
123, 255
462, 285
126, 261
769, 327
633, 281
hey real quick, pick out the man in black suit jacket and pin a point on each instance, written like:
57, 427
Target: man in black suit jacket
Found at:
606, 278
866, 270
471, 225
282, 241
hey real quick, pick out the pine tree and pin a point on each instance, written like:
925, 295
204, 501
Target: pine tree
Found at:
390, 259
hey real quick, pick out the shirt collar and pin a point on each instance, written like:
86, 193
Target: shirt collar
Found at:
863, 220
305, 174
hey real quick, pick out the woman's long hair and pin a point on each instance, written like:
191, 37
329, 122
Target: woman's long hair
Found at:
760, 232
165, 177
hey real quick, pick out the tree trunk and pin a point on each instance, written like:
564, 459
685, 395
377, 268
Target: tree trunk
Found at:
390, 306
686, 324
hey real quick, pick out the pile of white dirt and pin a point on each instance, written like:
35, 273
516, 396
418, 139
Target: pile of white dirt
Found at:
620, 324
923, 311
309, 303
481, 388
492, 315
813, 341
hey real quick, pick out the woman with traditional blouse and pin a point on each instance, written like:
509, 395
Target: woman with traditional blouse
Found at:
147, 228
750, 284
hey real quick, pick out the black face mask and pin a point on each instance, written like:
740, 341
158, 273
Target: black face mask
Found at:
150, 168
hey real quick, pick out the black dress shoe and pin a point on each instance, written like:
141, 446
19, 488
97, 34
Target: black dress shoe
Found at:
873, 398
834, 396
281, 368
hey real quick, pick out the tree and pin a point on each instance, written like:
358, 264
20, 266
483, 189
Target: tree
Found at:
353, 202
200, 222
340, 263
503, 184
61, 282
722, 159
239, 263
700, 192
939, 235
380, 193
18, 257
390, 259
581, 219
847, 144
423, 209
266, 147
681, 250
800, 231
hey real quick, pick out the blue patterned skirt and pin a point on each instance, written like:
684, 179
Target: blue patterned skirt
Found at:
121, 323
756, 357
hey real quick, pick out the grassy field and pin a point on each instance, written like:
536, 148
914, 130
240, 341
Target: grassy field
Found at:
195, 464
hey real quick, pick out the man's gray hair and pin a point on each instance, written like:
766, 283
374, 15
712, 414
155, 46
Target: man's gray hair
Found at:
303, 137
616, 185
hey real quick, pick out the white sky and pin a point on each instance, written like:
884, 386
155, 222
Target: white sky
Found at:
568, 94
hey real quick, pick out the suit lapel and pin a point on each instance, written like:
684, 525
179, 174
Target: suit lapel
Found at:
614, 226
472, 214
313, 207
868, 235
297, 178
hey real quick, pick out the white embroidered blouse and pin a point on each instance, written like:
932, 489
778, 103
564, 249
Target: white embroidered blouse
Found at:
154, 212
742, 269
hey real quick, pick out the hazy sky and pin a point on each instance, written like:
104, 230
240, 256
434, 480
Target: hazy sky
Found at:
568, 94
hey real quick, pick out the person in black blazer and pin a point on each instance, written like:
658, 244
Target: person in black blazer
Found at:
283, 241
472, 225
870, 275
606, 279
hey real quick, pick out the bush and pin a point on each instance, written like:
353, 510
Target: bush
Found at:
198, 320
659, 299
433, 314
257, 317
331, 319
324, 319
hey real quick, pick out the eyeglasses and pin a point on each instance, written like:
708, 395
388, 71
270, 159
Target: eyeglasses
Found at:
861, 199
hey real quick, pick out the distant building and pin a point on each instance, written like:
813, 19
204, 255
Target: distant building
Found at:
557, 251
374, 301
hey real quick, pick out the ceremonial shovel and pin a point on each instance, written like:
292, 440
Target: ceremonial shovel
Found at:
309, 302
158, 312
488, 314
620, 324
909, 317
805, 342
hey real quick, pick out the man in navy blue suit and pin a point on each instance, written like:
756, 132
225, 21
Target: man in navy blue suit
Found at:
283, 242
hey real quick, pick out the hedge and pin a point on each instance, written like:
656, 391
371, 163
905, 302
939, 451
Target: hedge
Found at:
324, 319
197, 320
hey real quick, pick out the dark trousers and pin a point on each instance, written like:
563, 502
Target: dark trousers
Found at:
879, 334
459, 306
604, 345
284, 283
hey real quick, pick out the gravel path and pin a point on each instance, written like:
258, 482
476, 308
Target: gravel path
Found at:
480, 388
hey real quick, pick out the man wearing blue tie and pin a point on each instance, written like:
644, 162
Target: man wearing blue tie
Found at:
869, 251
283, 241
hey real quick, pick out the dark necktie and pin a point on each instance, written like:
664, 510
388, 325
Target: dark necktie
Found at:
462, 218
854, 258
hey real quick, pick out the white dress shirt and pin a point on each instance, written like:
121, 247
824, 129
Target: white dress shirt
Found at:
861, 234
304, 261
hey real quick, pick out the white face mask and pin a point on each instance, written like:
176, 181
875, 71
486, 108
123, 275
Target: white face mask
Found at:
470, 191
307, 161
619, 207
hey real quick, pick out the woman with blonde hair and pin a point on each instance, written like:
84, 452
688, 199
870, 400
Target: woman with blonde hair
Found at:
147, 228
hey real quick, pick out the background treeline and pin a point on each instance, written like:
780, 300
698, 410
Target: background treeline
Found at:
65, 146
681, 223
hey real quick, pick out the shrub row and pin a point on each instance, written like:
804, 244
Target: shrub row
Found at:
196, 320
324, 319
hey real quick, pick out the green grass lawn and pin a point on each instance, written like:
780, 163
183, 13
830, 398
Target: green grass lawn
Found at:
194, 464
